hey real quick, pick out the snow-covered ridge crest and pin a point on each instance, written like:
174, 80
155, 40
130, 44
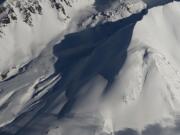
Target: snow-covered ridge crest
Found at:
110, 11
153, 90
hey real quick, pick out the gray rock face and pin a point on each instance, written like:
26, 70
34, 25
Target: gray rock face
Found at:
26, 9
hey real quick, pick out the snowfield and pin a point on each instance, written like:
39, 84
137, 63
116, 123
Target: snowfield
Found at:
146, 90
97, 70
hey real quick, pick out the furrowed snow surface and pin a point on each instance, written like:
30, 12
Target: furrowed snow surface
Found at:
106, 76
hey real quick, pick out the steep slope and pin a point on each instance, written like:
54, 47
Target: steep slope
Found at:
146, 90
30, 29
27, 27
112, 76
40, 22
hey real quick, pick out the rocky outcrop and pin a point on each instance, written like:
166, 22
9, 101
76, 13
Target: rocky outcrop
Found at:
27, 8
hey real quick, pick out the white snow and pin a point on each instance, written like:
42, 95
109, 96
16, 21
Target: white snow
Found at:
146, 91
22, 42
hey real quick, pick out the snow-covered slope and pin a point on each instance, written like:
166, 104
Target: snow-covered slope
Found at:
145, 92
111, 72
28, 26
